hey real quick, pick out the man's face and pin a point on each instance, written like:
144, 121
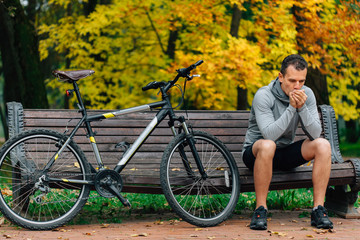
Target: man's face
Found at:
292, 80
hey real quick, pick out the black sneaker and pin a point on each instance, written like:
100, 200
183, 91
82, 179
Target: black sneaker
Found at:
258, 220
320, 219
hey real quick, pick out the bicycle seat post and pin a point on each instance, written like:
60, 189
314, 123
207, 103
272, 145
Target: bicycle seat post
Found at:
78, 96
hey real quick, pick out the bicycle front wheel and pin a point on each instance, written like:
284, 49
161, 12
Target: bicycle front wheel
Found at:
29, 197
202, 202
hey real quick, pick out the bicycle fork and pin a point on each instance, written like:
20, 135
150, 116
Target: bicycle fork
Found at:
191, 142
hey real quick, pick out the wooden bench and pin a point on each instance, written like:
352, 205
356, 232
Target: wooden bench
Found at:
141, 175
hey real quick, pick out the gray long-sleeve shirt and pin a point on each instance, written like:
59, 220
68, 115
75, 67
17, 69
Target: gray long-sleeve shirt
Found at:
272, 117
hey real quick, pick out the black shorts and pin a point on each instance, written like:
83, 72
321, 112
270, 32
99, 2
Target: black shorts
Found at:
285, 158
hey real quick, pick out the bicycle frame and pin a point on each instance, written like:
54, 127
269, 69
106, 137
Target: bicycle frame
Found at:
166, 110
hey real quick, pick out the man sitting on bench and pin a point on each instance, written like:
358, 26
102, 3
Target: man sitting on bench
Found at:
276, 111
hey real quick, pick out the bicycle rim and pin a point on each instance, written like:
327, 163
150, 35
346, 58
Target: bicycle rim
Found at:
28, 198
202, 202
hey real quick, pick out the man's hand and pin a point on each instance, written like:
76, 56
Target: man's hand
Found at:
297, 98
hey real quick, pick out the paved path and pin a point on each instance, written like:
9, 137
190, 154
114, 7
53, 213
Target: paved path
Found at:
281, 225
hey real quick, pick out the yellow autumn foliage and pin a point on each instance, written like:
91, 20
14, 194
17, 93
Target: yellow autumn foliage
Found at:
127, 44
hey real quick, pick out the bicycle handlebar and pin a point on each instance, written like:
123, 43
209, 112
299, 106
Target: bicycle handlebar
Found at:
153, 85
182, 72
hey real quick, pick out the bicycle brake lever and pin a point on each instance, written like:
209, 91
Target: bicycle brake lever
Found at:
189, 78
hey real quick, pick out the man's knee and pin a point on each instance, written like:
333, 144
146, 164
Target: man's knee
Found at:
264, 146
322, 146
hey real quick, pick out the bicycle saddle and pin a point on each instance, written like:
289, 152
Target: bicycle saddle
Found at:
75, 75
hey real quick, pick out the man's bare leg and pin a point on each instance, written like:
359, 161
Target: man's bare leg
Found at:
319, 150
264, 151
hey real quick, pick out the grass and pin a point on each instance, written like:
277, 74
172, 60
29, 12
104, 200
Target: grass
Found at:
110, 210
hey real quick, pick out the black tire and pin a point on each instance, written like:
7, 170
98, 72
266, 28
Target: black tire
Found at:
204, 203
27, 202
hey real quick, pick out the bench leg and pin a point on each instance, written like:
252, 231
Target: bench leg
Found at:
341, 202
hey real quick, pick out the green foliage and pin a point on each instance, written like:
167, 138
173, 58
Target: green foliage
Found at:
350, 149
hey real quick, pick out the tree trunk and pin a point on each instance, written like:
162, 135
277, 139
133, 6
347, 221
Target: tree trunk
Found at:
21, 62
89, 6
315, 80
171, 47
351, 134
242, 103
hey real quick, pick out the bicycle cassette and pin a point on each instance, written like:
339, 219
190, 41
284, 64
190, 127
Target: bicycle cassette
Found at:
104, 179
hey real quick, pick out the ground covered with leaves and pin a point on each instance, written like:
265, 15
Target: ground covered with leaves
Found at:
281, 224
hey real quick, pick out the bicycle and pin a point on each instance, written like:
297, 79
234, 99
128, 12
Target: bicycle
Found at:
46, 179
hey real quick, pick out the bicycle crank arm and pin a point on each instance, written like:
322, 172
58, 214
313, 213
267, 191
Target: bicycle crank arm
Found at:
116, 192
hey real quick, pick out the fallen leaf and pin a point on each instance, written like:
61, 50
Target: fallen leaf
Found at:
303, 229
332, 230
76, 165
211, 237
320, 231
105, 225
6, 192
339, 223
158, 222
280, 234
295, 221
310, 236
88, 234
193, 235
172, 222
7, 236
198, 229
133, 169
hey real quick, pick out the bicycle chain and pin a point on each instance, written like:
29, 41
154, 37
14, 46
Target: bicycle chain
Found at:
74, 200
71, 200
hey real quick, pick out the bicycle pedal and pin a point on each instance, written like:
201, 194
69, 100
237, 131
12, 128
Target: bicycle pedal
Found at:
126, 203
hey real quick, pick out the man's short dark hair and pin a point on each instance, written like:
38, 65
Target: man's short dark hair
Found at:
295, 60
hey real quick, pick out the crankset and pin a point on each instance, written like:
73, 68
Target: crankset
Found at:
108, 183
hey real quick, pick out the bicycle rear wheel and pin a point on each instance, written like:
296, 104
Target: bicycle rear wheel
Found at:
28, 196
202, 202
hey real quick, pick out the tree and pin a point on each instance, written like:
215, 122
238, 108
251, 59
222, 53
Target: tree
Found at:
19, 52
242, 103
23, 81
129, 43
